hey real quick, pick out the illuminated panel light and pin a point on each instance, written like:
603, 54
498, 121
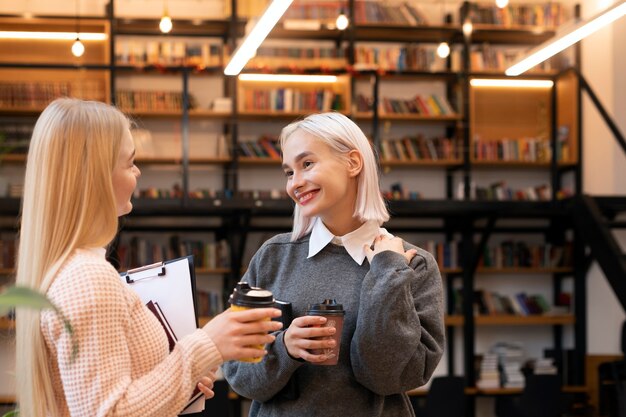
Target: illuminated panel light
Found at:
486, 82
62, 36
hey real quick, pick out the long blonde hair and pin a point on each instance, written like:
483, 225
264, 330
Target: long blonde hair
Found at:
342, 135
68, 203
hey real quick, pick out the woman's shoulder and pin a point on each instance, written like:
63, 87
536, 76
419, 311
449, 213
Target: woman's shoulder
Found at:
86, 274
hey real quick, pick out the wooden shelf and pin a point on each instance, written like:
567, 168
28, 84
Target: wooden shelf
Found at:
410, 117
525, 270
424, 163
7, 399
252, 160
156, 160
13, 158
181, 27
512, 320
516, 164
7, 271
193, 113
278, 115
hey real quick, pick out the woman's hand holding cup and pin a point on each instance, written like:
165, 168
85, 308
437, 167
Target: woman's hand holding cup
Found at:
235, 333
306, 335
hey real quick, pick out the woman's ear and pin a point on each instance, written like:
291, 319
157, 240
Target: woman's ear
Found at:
355, 163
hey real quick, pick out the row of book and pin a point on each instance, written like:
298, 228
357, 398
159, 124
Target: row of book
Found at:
501, 366
487, 303
550, 14
15, 136
8, 251
446, 253
419, 148
403, 14
264, 147
501, 192
169, 53
143, 100
489, 58
209, 303
518, 150
211, 194
292, 100
520, 254
300, 52
36, 95
423, 105
142, 251
327, 10
409, 57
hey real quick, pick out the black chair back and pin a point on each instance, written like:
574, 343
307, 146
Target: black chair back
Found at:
541, 396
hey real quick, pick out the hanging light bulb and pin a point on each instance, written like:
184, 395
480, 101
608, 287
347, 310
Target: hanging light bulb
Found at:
342, 21
78, 49
468, 27
443, 50
502, 3
165, 25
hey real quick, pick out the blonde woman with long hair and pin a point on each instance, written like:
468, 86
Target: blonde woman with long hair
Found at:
80, 176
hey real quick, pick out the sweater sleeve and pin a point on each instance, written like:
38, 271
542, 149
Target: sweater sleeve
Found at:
271, 375
399, 337
99, 380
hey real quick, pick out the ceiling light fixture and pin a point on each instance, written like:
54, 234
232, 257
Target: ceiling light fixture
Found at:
165, 25
78, 49
256, 36
567, 37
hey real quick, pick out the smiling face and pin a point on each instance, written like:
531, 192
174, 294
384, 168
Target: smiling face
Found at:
125, 175
322, 183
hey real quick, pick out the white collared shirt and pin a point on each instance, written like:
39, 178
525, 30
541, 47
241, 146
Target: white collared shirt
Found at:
353, 241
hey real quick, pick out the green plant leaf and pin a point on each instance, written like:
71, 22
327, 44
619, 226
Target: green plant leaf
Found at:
13, 413
24, 297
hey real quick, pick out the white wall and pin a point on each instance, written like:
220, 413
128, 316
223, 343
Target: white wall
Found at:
604, 167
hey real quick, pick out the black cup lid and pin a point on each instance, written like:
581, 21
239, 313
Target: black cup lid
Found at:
328, 306
246, 296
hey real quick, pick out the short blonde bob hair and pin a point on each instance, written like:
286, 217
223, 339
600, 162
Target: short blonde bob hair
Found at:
68, 203
342, 135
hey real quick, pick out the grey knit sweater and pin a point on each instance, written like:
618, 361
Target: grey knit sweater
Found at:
392, 339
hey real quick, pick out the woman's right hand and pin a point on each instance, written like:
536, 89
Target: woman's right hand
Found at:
305, 334
235, 333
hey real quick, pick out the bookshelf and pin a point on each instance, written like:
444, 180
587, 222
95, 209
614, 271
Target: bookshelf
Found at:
196, 147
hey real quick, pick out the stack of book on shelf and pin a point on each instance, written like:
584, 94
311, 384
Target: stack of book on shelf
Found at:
549, 14
397, 192
501, 192
144, 100
510, 358
296, 58
419, 148
511, 253
311, 15
488, 376
140, 52
513, 150
544, 366
521, 304
264, 147
446, 253
207, 255
291, 100
409, 57
401, 14
15, 136
431, 105
37, 94
209, 303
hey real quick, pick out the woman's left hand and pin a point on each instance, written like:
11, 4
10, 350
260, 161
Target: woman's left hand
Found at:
383, 243
206, 384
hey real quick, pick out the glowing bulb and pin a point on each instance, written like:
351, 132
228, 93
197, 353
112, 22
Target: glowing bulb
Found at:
78, 49
502, 3
443, 50
468, 28
342, 21
165, 25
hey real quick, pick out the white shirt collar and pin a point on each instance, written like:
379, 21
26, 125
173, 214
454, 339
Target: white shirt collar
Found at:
353, 241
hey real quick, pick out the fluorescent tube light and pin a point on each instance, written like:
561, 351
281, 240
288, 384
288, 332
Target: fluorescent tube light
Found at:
63, 36
569, 36
488, 82
256, 36
289, 78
